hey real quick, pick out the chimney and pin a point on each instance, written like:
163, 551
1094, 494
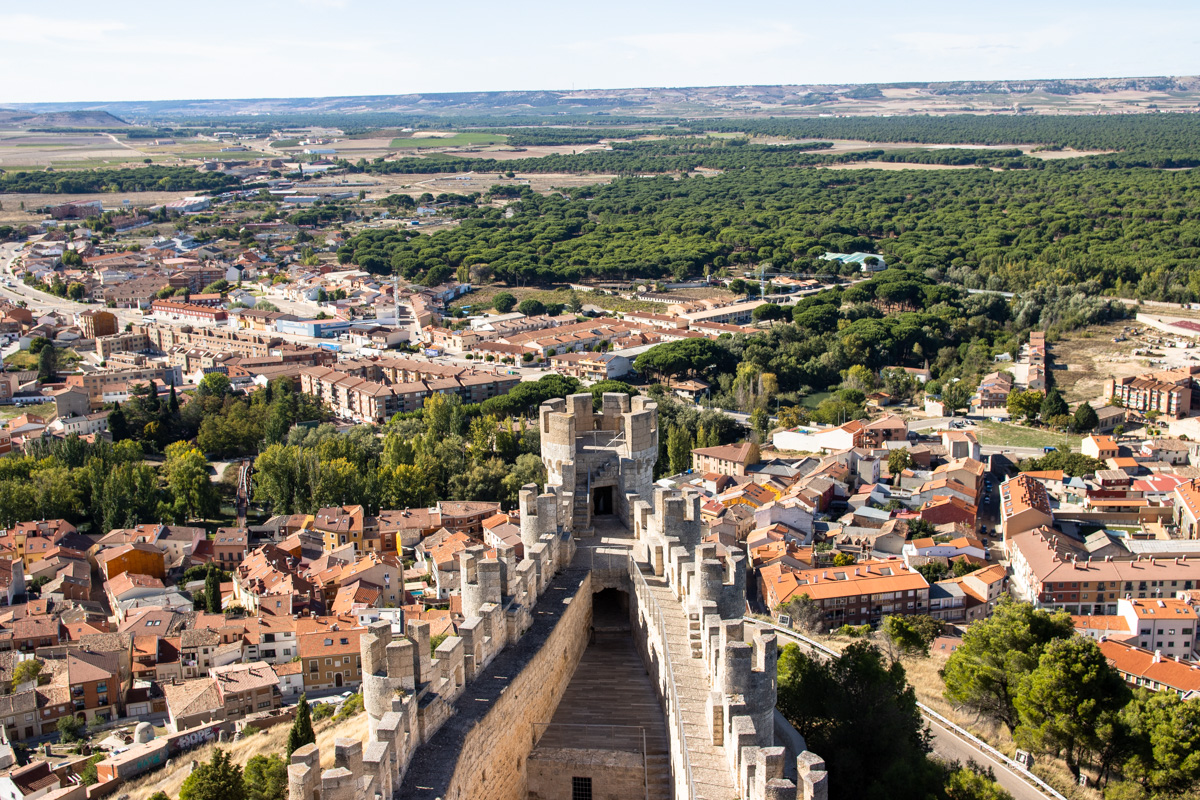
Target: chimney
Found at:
1157, 657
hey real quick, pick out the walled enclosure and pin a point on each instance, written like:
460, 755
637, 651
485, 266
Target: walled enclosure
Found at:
470, 706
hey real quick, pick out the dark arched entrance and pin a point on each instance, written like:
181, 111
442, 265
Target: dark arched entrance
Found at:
602, 501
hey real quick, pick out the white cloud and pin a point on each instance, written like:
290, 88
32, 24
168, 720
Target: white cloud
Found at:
30, 29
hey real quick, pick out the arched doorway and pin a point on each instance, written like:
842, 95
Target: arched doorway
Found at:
337, 679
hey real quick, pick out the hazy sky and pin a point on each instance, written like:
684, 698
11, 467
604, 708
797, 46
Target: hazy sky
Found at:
69, 50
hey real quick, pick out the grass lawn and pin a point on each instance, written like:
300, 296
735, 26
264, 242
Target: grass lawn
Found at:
811, 401
43, 410
1005, 434
457, 140
23, 359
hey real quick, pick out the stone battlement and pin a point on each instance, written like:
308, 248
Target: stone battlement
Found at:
597, 459
475, 701
740, 675
409, 693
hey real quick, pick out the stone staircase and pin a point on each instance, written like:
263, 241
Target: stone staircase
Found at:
581, 514
710, 768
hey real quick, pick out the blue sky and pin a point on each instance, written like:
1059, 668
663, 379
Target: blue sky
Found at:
69, 50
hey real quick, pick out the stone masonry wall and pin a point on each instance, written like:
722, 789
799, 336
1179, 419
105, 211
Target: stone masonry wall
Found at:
494, 756
481, 753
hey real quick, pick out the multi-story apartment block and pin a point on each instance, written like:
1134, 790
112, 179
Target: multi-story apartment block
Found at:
1168, 393
859, 594
1024, 505
354, 389
1052, 570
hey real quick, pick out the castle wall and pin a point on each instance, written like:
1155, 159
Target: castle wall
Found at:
493, 759
615, 775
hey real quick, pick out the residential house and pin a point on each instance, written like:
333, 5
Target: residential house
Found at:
1024, 506
728, 459
1151, 670
137, 557
1099, 446
331, 658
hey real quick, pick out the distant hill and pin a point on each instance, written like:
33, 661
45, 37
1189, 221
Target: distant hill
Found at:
67, 118
1107, 95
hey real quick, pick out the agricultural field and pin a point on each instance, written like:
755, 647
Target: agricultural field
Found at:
426, 139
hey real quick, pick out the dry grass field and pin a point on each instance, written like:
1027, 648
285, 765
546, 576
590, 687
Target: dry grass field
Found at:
270, 741
1091, 357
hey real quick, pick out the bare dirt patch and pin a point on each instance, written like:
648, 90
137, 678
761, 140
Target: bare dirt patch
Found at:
464, 183
1091, 357
11, 212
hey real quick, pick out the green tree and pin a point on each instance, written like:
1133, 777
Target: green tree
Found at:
805, 613
27, 670
302, 729
87, 775
678, 450
212, 590
219, 779
1024, 404
860, 714
1069, 700
957, 395
573, 302
194, 496
912, 633
504, 302
531, 307
968, 783
214, 384
48, 364
898, 461
1164, 735
933, 571
266, 777
843, 560
996, 653
1053, 406
527, 469
38, 344
70, 729
1085, 420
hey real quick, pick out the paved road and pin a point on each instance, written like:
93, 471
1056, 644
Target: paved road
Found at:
948, 746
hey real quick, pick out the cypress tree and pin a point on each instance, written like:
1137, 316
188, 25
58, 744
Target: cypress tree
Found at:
212, 590
302, 729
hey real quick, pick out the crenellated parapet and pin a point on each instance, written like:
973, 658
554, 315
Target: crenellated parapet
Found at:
611, 452
739, 661
410, 689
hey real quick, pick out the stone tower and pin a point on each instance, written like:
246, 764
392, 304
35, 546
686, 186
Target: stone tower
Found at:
596, 460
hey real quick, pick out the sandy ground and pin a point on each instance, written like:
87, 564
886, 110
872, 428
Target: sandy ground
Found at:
1091, 357
463, 183
11, 211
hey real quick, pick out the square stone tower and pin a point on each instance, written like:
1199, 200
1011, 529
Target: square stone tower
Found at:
597, 459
